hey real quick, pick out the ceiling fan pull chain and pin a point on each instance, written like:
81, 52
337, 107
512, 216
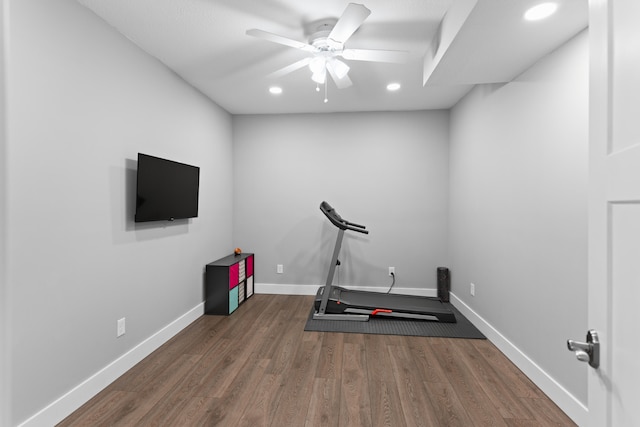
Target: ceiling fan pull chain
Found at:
326, 90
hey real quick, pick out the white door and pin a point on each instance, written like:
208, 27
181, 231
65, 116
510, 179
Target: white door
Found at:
614, 211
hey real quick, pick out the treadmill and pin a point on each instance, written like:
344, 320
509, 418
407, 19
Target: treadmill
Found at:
338, 303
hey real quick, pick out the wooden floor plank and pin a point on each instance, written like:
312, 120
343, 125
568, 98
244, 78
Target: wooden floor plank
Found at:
330, 360
258, 367
210, 329
448, 409
494, 383
324, 404
523, 387
416, 406
422, 352
263, 403
546, 412
355, 402
476, 402
386, 406
297, 391
105, 411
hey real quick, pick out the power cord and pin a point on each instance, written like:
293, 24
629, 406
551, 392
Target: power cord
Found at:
393, 282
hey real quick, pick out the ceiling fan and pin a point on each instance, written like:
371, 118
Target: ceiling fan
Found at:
327, 44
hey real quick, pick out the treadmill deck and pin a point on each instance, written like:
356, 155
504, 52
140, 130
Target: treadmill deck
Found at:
347, 301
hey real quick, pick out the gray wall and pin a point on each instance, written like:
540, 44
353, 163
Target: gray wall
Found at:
388, 171
518, 224
5, 369
82, 102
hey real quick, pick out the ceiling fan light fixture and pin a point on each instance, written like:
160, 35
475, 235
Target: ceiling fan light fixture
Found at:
317, 65
339, 68
275, 90
320, 77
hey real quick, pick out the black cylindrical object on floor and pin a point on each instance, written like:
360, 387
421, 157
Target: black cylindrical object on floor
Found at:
444, 284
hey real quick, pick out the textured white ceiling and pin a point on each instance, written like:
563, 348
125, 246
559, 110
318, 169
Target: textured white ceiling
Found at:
204, 41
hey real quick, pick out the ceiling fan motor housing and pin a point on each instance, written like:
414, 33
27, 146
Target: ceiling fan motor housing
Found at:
319, 34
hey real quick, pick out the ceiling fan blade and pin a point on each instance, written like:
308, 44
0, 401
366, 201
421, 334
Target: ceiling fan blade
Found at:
265, 35
351, 19
290, 68
341, 83
373, 55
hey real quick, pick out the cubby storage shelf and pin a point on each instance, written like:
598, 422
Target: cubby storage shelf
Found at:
228, 283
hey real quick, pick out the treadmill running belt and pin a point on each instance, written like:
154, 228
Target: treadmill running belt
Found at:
344, 300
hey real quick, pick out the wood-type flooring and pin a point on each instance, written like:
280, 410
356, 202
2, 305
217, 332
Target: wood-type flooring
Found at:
258, 367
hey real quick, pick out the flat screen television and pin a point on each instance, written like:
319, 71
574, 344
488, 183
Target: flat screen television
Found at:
166, 190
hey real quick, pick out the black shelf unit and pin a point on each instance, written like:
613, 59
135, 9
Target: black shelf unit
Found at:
228, 283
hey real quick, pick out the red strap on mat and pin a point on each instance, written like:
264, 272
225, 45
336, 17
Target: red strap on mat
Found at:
380, 310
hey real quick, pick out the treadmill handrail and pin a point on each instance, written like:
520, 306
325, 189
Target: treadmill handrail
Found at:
337, 220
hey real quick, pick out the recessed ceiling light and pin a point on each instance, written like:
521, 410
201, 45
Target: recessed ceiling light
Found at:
541, 11
392, 87
275, 90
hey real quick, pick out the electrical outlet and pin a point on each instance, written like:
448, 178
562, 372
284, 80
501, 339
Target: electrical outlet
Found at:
392, 271
472, 289
279, 269
121, 328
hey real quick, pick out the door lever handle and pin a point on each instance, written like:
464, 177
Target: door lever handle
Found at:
583, 356
579, 346
587, 351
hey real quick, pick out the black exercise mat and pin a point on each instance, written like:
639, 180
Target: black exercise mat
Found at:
389, 326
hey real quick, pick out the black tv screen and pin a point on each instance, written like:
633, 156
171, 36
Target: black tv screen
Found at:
166, 190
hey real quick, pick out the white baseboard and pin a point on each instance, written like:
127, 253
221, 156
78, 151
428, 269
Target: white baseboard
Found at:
577, 411
75, 398
279, 289
273, 288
